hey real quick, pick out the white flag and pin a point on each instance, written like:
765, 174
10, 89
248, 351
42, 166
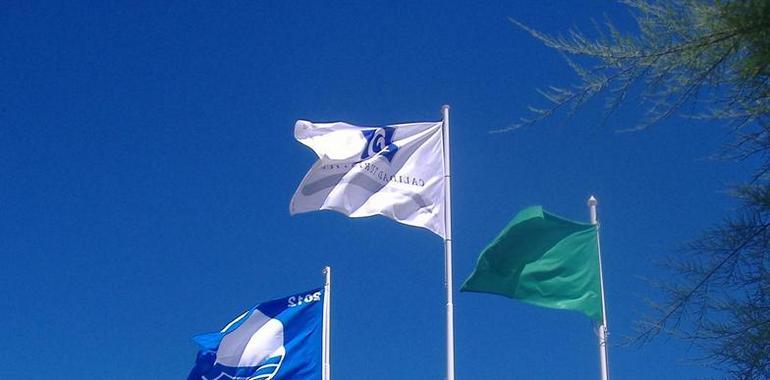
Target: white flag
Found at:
395, 170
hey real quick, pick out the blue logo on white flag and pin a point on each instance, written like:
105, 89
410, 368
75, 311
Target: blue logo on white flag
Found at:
276, 340
379, 141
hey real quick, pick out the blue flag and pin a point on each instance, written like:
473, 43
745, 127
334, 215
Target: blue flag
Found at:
278, 340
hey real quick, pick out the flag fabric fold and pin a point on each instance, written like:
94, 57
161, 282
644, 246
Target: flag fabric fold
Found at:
395, 170
545, 260
279, 339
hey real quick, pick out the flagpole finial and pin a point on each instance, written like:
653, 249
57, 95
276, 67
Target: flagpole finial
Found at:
592, 202
445, 107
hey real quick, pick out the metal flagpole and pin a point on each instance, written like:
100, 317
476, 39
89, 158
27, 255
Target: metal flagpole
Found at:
326, 330
592, 202
450, 337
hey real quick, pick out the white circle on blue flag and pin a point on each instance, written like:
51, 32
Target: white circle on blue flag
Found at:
256, 340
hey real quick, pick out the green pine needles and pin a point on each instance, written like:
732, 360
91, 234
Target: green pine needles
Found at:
684, 51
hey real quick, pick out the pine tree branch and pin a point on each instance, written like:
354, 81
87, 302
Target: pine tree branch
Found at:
678, 306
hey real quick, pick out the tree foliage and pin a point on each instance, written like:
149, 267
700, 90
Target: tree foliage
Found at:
715, 53
719, 296
712, 57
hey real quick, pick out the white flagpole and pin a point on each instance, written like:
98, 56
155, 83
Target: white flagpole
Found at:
450, 337
326, 330
592, 202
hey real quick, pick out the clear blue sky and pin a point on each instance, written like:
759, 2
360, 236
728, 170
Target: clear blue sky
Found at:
147, 162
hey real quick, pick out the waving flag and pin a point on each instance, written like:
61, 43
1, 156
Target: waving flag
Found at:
279, 340
545, 260
396, 171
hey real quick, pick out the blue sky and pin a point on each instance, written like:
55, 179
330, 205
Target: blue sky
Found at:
147, 163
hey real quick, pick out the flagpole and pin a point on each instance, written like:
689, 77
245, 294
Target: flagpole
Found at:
592, 202
450, 337
326, 331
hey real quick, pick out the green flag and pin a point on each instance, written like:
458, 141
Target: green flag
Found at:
545, 260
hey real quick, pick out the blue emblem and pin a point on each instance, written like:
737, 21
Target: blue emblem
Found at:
379, 141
